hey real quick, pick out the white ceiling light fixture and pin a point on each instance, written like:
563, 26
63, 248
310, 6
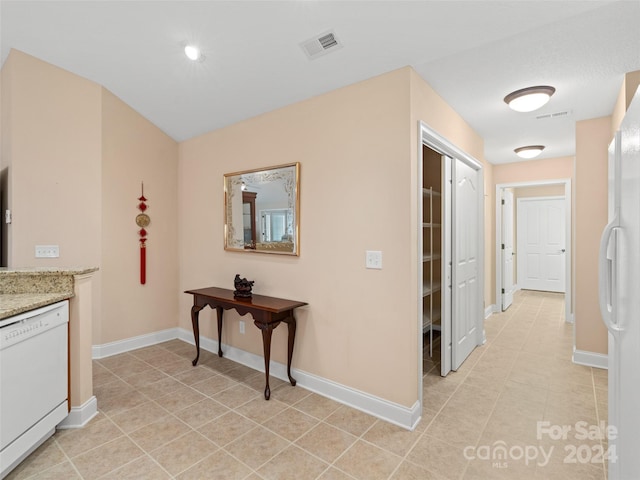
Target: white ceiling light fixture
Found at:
530, 151
193, 53
530, 98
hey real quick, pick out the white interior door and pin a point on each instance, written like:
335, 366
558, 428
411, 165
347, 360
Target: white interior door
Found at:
445, 333
466, 260
541, 243
508, 285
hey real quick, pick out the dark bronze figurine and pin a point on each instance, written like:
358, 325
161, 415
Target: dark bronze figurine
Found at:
243, 287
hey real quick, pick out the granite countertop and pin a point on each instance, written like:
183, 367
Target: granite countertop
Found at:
24, 289
15, 303
35, 271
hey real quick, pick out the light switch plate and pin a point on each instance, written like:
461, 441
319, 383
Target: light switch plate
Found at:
47, 251
374, 259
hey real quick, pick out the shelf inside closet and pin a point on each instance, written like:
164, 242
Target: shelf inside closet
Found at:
432, 207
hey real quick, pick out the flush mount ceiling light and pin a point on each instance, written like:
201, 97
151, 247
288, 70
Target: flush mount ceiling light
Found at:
530, 151
193, 53
530, 98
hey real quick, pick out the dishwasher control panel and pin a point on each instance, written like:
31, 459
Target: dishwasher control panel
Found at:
16, 329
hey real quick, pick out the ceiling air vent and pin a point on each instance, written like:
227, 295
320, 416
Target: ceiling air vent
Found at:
321, 45
566, 113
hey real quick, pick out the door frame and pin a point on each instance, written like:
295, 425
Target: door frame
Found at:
429, 137
569, 293
503, 250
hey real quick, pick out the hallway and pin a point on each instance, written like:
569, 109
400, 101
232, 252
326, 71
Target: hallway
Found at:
522, 376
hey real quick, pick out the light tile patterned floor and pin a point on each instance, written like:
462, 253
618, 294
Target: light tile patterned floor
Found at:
161, 418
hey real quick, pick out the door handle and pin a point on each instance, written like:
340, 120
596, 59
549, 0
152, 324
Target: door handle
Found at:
605, 270
563, 250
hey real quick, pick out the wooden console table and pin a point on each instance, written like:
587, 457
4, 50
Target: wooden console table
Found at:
267, 313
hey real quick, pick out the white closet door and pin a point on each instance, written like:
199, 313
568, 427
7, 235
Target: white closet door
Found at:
466, 257
445, 333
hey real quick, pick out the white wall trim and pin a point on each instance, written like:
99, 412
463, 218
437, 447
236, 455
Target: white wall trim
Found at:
399, 415
405, 417
590, 359
79, 416
490, 310
128, 344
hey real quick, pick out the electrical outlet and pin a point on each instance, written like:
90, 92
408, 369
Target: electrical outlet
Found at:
241, 327
47, 251
374, 259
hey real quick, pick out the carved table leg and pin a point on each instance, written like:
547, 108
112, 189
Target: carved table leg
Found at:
267, 330
195, 312
291, 325
219, 312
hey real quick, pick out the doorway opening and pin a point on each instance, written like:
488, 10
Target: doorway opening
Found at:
548, 202
450, 253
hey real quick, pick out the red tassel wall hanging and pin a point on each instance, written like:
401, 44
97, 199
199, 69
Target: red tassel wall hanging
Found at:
143, 220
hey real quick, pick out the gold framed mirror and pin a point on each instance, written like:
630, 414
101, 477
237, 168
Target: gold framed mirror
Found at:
262, 210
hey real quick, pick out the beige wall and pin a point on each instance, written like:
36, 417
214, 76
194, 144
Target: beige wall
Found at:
631, 83
628, 89
76, 156
53, 163
555, 190
427, 106
354, 145
592, 140
619, 109
133, 151
489, 237
5, 155
533, 170
359, 328
358, 150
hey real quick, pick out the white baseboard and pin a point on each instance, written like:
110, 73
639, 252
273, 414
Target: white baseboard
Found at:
128, 344
391, 412
590, 359
405, 417
491, 309
79, 416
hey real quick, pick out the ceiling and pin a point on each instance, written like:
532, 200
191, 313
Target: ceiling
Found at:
472, 53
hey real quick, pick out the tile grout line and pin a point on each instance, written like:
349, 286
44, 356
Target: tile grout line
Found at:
169, 413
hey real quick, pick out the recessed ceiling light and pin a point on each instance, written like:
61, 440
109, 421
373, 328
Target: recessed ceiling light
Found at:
530, 98
530, 151
192, 52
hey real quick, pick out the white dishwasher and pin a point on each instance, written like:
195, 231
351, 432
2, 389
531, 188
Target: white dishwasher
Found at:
33, 380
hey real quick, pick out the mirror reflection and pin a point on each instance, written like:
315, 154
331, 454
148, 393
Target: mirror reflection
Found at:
261, 210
